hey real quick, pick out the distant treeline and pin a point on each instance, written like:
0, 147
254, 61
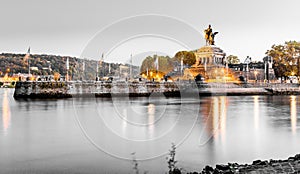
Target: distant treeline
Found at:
49, 64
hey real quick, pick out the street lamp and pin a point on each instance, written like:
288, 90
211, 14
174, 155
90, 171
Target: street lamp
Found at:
267, 60
247, 61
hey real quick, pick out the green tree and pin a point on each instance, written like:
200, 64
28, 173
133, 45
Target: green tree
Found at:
189, 57
231, 59
286, 58
165, 63
148, 63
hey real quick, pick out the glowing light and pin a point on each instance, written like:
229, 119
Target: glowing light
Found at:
222, 117
217, 116
292, 73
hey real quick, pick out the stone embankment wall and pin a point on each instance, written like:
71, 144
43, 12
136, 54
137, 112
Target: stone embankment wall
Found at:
98, 89
45, 89
41, 90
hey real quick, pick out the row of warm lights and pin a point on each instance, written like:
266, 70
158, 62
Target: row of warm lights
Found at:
151, 75
14, 78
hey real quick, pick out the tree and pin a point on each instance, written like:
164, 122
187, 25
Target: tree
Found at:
231, 59
189, 57
164, 63
286, 58
148, 63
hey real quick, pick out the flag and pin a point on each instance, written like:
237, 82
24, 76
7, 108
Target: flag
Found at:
130, 70
67, 63
97, 67
101, 62
83, 66
109, 68
181, 64
27, 55
156, 63
147, 72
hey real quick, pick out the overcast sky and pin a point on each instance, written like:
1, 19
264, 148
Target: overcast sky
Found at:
246, 27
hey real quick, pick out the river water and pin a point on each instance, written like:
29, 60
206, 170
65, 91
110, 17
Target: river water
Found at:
98, 135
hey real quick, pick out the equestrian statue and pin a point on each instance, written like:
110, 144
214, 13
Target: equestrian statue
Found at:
210, 36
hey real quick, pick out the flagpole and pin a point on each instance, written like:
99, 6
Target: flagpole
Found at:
28, 52
109, 68
67, 66
83, 68
97, 67
156, 63
181, 66
130, 66
28, 67
102, 65
147, 73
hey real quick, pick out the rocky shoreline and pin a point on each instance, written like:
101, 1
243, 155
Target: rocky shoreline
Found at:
290, 165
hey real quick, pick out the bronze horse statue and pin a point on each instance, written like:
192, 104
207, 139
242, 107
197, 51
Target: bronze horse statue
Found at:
210, 36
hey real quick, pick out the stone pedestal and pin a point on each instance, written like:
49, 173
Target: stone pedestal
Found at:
210, 56
210, 63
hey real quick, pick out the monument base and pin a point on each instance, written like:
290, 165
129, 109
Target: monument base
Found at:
210, 64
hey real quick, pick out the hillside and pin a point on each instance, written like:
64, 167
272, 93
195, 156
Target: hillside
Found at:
49, 64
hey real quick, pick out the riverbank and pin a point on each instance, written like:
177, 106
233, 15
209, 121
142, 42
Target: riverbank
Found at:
41, 90
290, 165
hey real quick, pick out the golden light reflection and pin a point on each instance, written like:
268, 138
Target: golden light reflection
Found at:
256, 112
293, 108
5, 112
216, 113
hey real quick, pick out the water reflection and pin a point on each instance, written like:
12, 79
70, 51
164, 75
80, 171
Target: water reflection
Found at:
124, 121
256, 111
5, 112
151, 115
293, 108
228, 122
222, 117
214, 114
139, 118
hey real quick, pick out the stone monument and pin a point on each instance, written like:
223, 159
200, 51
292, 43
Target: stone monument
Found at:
210, 59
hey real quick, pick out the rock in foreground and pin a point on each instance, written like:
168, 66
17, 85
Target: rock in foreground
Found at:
290, 165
